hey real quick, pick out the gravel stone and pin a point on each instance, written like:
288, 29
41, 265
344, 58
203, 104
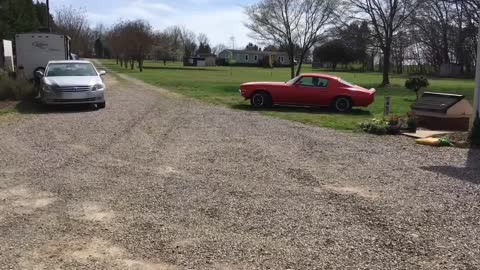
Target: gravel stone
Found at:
160, 181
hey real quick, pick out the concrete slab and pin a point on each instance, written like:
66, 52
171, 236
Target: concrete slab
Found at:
420, 134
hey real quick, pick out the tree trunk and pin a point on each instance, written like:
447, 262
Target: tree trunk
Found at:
300, 63
292, 67
132, 64
386, 64
291, 55
116, 58
140, 65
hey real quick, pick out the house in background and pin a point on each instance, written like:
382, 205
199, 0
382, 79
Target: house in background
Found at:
253, 58
101, 49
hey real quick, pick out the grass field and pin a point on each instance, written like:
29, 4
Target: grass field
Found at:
220, 85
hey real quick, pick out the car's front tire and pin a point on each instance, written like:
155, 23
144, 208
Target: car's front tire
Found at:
342, 104
101, 105
261, 99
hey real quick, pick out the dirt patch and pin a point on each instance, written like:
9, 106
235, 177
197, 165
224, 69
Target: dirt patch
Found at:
139, 265
351, 190
7, 104
23, 200
93, 212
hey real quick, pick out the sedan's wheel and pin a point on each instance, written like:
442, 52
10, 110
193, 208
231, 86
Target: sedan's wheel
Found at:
342, 104
260, 100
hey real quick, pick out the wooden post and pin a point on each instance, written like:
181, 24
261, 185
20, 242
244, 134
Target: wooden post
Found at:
477, 80
386, 109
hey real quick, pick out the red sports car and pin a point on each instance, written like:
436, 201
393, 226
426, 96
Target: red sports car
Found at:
309, 90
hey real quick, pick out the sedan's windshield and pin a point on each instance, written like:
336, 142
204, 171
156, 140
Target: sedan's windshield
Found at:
71, 69
292, 81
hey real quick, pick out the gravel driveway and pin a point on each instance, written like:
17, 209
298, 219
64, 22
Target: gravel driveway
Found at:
158, 181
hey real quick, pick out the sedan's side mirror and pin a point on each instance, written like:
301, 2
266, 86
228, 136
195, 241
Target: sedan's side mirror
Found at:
102, 72
39, 74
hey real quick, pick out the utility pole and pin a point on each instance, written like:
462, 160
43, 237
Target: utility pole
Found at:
48, 15
477, 81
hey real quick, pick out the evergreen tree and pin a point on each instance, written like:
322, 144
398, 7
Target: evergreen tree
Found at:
17, 16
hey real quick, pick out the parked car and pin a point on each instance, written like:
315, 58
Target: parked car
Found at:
309, 90
72, 82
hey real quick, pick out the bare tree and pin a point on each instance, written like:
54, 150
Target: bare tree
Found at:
386, 18
291, 23
131, 41
74, 23
219, 48
188, 43
164, 47
203, 39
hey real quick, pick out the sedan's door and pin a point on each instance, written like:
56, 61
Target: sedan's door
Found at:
312, 90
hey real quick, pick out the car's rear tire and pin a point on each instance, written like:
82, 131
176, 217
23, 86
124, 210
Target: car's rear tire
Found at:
342, 104
261, 99
101, 105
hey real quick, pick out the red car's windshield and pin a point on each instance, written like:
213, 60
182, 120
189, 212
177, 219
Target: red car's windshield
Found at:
292, 81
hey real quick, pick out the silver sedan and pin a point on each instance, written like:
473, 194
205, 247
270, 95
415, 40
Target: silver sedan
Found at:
72, 82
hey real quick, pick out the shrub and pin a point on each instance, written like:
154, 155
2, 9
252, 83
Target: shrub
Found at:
19, 89
412, 122
417, 83
375, 126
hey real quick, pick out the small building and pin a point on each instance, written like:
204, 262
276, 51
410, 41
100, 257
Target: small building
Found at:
201, 60
439, 111
254, 58
101, 49
450, 70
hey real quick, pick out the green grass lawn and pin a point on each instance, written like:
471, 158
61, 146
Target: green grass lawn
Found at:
220, 85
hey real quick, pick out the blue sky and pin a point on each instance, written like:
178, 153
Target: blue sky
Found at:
219, 19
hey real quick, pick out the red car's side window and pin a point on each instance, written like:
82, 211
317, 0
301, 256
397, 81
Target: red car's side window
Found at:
314, 82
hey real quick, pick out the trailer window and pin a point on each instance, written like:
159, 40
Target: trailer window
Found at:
71, 69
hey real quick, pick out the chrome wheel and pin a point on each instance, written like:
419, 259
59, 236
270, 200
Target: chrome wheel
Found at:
258, 100
343, 104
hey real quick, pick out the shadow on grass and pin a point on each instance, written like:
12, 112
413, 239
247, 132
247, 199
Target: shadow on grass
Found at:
33, 107
180, 68
470, 171
313, 110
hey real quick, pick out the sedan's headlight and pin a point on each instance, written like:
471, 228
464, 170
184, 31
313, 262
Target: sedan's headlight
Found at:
98, 87
47, 87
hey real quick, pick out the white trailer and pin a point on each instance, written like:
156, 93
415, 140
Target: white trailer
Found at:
35, 50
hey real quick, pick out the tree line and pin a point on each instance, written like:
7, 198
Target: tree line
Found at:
19, 16
420, 32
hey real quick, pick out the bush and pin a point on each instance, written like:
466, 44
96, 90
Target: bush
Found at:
15, 89
375, 126
417, 83
393, 126
412, 122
